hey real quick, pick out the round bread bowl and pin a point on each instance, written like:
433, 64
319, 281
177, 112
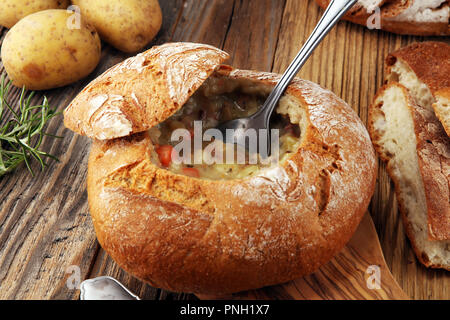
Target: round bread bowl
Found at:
195, 235
398, 16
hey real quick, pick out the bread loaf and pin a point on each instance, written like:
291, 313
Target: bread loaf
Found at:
415, 17
204, 235
417, 151
424, 69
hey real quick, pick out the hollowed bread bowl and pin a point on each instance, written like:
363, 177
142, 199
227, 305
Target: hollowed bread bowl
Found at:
200, 235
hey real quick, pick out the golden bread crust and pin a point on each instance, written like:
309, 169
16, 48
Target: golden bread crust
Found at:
208, 236
142, 91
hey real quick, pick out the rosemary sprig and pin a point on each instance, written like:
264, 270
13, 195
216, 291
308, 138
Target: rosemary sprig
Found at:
21, 136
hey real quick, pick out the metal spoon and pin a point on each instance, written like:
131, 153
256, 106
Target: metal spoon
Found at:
260, 120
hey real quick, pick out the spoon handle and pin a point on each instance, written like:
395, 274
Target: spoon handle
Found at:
335, 10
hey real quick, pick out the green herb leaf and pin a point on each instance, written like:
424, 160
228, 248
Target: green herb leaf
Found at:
21, 135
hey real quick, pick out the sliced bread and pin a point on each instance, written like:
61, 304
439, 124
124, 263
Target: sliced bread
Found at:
424, 69
415, 17
417, 152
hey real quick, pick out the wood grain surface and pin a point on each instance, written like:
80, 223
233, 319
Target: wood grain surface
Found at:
45, 229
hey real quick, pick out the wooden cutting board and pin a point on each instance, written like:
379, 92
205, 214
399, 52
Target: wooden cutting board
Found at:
349, 275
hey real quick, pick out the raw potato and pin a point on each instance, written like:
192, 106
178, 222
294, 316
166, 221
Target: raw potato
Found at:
128, 25
40, 52
14, 10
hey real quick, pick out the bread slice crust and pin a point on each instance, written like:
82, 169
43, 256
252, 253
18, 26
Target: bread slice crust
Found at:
207, 236
430, 63
432, 156
424, 69
390, 11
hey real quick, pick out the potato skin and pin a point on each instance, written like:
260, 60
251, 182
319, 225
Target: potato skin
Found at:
128, 25
14, 10
40, 52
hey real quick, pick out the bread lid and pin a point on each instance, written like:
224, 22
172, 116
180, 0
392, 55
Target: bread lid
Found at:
142, 91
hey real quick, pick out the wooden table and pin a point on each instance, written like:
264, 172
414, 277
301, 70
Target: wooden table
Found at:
46, 234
